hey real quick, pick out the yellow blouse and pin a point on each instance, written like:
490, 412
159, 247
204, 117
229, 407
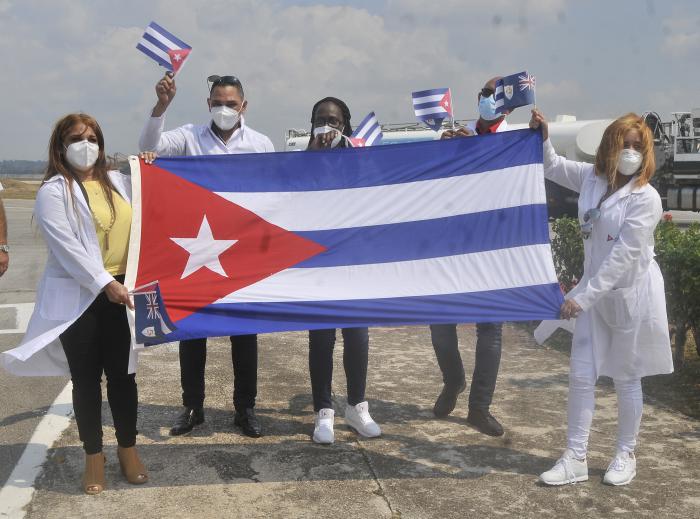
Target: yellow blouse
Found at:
112, 231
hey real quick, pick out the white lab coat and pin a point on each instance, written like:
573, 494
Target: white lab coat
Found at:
622, 290
73, 277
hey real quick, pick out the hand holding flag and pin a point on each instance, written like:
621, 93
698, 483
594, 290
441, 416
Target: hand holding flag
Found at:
164, 48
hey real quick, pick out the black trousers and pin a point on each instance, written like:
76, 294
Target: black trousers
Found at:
355, 357
244, 356
486, 363
99, 340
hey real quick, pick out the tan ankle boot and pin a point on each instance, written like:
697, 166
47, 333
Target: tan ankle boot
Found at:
132, 468
94, 475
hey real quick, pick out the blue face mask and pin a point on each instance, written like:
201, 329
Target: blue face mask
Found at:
487, 108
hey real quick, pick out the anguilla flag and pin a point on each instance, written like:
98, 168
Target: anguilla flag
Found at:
164, 47
368, 132
514, 91
432, 106
450, 231
151, 320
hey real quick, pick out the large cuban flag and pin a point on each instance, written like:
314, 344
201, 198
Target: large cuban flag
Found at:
450, 231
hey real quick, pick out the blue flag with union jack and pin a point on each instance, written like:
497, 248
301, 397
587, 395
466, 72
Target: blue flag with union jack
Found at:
151, 319
514, 91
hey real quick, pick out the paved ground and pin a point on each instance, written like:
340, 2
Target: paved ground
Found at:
420, 468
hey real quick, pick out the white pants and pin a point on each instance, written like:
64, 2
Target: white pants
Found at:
582, 379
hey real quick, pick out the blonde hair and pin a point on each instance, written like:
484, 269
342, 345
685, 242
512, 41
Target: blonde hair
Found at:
612, 144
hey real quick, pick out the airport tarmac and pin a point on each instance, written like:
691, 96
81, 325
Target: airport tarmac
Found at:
420, 468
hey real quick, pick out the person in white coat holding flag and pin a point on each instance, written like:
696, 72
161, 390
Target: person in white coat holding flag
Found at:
79, 325
619, 304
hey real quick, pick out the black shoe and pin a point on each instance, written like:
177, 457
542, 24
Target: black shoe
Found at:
484, 422
447, 400
246, 420
186, 421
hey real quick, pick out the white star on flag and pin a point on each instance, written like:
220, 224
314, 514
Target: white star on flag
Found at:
204, 250
177, 57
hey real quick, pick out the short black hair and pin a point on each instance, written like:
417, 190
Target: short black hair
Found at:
347, 129
217, 81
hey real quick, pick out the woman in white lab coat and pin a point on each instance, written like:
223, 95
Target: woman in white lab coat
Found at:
80, 321
621, 326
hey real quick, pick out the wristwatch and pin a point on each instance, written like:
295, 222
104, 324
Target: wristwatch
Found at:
5, 248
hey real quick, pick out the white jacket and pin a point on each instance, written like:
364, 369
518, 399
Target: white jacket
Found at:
73, 277
622, 289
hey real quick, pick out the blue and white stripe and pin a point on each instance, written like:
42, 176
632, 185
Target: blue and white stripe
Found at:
426, 103
156, 42
369, 130
444, 231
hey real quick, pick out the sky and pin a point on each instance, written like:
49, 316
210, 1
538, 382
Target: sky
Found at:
592, 59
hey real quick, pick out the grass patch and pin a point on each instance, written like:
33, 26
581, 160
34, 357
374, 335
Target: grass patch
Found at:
18, 189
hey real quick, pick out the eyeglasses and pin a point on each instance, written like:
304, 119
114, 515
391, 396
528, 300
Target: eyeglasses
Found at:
486, 92
215, 80
589, 218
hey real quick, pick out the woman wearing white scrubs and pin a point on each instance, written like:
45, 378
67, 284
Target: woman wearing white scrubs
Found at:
619, 304
79, 325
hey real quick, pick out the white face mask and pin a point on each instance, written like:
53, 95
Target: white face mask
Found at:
225, 117
82, 155
629, 161
322, 130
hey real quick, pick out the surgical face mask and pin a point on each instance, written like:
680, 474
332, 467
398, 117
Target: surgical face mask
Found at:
322, 130
82, 155
629, 161
225, 117
487, 108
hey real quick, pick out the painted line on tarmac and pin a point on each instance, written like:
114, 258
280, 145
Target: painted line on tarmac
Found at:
19, 488
24, 312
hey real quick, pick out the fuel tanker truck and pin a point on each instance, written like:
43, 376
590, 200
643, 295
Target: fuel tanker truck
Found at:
676, 143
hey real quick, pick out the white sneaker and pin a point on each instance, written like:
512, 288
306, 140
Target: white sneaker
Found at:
621, 470
323, 428
359, 419
566, 470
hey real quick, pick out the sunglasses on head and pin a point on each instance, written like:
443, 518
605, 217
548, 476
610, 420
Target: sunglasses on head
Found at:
486, 92
215, 80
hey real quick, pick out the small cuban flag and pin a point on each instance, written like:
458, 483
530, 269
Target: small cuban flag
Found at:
367, 133
433, 106
151, 319
164, 47
514, 91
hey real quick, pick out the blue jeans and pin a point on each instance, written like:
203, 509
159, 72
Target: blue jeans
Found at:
486, 363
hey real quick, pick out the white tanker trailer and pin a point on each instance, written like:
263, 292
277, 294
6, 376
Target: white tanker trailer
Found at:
677, 145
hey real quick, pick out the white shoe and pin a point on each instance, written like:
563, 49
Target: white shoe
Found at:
323, 428
359, 419
566, 470
621, 470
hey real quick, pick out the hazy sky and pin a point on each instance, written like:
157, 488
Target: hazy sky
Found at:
592, 58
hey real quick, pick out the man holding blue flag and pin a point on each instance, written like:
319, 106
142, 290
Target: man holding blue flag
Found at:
488, 334
226, 133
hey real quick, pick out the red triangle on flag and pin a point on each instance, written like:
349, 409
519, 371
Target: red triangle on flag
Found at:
446, 102
173, 207
178, 57
357, 142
